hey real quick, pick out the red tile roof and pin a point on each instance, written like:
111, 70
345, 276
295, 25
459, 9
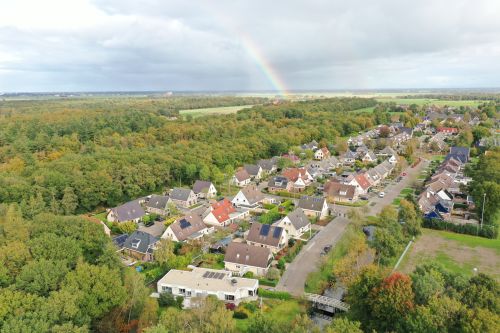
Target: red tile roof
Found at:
294, 173
362, 181
222, 209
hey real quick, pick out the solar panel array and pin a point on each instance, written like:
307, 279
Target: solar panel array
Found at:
184, 224
264, 231
214, 275
277, 232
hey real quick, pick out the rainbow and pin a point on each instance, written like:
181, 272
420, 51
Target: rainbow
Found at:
252, 49
265, 66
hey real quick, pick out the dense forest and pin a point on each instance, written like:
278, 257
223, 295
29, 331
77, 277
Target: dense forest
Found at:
62, 274
63, 159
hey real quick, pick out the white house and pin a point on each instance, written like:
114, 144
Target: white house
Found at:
187, 228
314, 206
321, 153
201, 282
241, 258
241, 178
223, 213
295, 223
204, 189
248, 197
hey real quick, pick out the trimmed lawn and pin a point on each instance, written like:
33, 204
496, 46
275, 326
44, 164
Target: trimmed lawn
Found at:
457, 252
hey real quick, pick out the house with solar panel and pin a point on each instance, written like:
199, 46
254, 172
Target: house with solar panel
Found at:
187, 228
201, 282
268, 236
130, 211
314, 206
139, 245
295, 223
241, 258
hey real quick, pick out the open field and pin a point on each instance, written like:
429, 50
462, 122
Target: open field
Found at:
421, 101
456, 252
280, 311
219, 110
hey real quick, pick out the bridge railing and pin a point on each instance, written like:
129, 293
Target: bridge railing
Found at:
328, 301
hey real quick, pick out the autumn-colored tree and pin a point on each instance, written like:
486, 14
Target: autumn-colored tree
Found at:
391, 302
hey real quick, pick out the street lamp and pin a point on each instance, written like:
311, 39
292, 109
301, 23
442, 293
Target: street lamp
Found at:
482, 214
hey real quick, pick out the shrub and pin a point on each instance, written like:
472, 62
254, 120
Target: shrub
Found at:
283, 295
487, 231
252, 307
248, 275
168, 300
240, 315
267, 282
273, 274
281, 263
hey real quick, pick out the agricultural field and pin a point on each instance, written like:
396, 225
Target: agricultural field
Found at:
456, 252
421, 101
211, 111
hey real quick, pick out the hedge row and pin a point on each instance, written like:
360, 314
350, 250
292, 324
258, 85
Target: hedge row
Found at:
267, 282
487, 231
283, 295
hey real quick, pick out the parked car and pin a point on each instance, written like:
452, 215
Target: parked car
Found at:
364, 197
381, 194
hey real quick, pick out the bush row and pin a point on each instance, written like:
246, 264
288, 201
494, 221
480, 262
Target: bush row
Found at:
283, 295
487, 231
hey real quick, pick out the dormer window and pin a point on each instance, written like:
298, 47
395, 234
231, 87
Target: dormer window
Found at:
135, 243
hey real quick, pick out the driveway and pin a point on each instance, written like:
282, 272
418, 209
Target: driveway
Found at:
155, 230
309, 258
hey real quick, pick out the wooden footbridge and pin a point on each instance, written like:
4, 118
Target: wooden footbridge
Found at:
326, 303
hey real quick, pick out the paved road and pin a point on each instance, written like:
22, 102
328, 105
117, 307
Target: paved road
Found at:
309, 258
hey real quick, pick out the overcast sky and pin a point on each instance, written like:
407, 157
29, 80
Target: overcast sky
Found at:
102, 45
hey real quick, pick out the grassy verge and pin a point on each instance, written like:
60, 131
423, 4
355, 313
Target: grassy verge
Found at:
317, 281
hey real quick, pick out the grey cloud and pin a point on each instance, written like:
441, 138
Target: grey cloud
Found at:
200, 45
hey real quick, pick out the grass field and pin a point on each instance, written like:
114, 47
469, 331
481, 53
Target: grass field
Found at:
421, 101
456, 252
208, 111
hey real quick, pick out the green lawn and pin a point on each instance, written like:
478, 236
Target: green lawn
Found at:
207, 111
365, 110
280, 311
101, 216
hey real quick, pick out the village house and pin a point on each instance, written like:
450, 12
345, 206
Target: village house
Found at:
204, 189
187, 228
139, 245
295, 223
299, 177
241, 258
183, 197
254, 170
268, 236
222, 213
321, 154
387, 151
447, 130
201, 282
373, 177
292, 157
360, 182
369, 157
248, 197
130, 211
158, 204
313, 145
278, 184
459, 153
314, 206
269, 166
241, 178
348, 158
338, 192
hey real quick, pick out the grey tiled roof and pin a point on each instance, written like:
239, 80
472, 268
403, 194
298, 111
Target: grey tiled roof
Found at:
311, 203
265, 234
201, 186
252, 169
140, 241
181, 194
158, 201
298, 218
128, 211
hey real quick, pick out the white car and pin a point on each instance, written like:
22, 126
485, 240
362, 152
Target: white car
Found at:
381, 194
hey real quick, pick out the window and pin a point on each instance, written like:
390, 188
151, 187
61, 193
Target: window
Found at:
182, 291
229, 297
250, 293
166, 289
